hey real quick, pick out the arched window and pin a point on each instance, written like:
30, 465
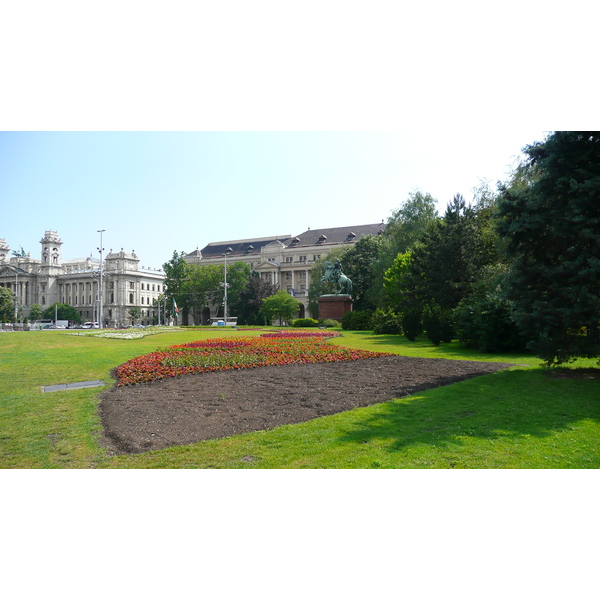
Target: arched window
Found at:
130, 298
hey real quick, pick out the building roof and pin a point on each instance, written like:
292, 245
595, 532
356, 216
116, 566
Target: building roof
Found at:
312, 237
238, 247
334, 235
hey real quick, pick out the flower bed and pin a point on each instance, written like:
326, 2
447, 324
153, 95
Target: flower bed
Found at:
124, 334
221, 354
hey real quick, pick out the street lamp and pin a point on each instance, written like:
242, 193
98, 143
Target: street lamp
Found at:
16, 296
228, 251
100, 290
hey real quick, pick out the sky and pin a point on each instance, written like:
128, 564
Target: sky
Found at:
160, 192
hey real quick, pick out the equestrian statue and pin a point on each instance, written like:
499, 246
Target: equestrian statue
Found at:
333, 273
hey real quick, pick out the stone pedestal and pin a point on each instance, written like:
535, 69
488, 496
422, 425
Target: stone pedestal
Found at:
334, 307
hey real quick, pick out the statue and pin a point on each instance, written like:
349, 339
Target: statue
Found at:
333, 273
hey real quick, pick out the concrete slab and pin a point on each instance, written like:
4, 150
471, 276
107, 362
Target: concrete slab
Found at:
72, 386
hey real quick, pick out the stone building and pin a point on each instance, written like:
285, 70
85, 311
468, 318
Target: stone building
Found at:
285, 260
49, 279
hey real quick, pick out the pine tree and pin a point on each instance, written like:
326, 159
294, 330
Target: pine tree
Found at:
552, 227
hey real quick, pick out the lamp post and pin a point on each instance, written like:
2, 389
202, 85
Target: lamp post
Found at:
16, 296
100, 290
228, 251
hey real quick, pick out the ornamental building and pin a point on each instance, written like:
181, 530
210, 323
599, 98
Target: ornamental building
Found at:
285, 261
49, 279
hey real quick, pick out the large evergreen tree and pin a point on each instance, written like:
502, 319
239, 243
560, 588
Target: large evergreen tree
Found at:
449, 257
552, 226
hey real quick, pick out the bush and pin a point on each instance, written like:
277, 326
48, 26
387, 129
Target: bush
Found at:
485, 323
412, 324
329, 323
357, 320
386, 322
305, 322
437, 323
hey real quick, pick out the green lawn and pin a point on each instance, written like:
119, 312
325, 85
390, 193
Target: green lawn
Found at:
520, 418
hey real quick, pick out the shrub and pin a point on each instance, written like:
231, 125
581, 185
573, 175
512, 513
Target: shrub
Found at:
412, 324
357, 320
305, 322
386, 322
329, 323
437, 323
485, 323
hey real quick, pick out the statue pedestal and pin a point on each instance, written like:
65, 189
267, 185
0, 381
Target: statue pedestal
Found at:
334, 307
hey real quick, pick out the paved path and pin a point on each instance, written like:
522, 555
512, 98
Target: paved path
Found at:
73, 386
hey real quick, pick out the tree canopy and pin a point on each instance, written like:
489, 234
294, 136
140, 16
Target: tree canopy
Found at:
281, 305
551, 222
7, 305
63, 312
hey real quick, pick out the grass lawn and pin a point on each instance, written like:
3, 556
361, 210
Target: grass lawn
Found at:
520, 418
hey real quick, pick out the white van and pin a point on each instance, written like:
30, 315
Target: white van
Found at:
220, 322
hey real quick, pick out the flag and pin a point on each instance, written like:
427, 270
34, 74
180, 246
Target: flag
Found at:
175, 309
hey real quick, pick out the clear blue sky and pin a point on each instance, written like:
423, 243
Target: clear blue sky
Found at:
160, 192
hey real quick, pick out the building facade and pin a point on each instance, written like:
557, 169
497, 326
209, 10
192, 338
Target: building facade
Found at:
284, 261
76, 282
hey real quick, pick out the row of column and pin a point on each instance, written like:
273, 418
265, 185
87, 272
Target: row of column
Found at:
23, 291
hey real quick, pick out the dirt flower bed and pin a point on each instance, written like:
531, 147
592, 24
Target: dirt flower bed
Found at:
287, 380
281, 348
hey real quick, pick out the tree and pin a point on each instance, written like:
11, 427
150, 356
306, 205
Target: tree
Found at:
63, 312
280, 305
135, 312
406, 225
249, 300
176, 273
238, 275
551, 222
450, 256
35, 312
357, 262
7, 305
200, 285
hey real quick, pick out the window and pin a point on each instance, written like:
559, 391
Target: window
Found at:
142, 287
130, 298
302, 258
131, 285
142, 299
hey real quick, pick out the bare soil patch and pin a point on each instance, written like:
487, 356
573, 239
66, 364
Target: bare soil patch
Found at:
203, 406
